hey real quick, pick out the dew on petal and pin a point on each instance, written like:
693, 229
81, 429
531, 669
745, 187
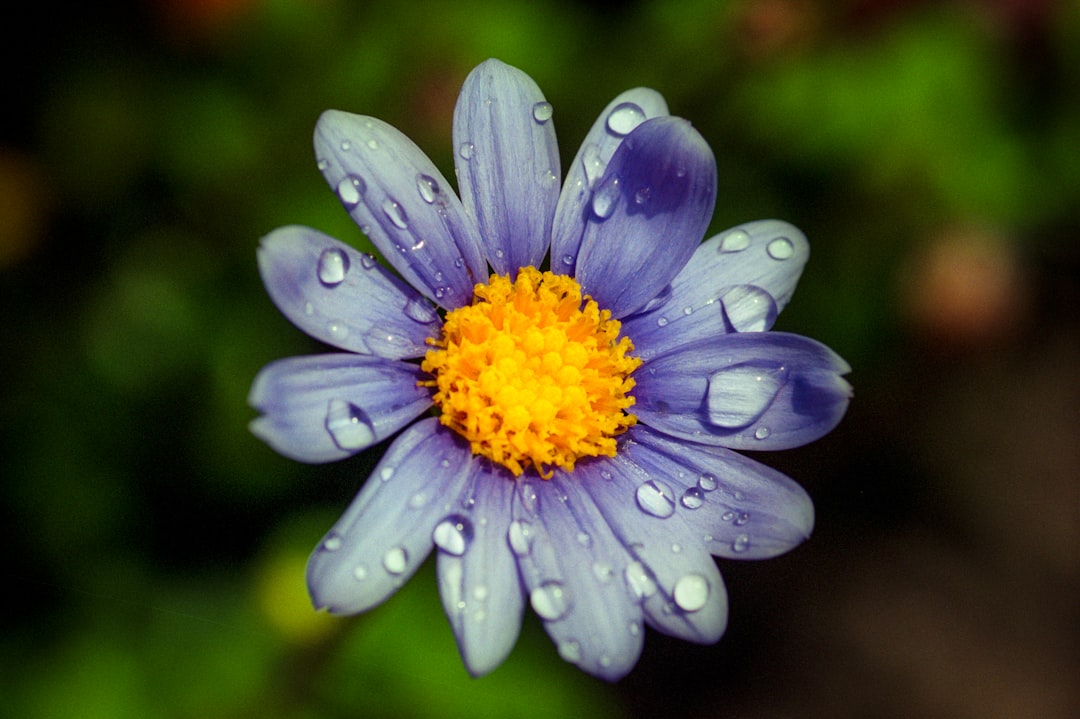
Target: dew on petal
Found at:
550, 600
428, 188
762, 433
332, 267
332, 543
396, 560
570, 651
707, 482
639, 580
337, 330
592, 163
453, 535
742, 519
735, 241
421, 310
386, 473
360, 572
466, 150
603, 201
741, 543
662, 322
624, 117
749, 308
692, 498
542, 112
350, 189
656, 498
780, 248
520, 537
691, 592
738, 395
395, 213
603, 571
367, 261
348, 426
568, 260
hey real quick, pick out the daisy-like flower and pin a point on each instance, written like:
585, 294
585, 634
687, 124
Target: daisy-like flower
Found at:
576, 452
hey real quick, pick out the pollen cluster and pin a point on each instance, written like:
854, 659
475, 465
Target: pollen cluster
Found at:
532, 373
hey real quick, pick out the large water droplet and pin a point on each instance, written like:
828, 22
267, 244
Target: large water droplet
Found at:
453, 534
542, 112
603, 201
624, 117
520, 537
592, 163
639, 580
656, 498
749, 308
691, 592
707, 482
396, 560
396, 213
693, 498
348, 426
780, 248
350, 189
428, 188
735, 241
550, 601
762, 433
738, 395
421, 310
332, 266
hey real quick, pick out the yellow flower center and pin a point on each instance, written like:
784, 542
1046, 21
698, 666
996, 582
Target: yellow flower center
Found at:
532, 373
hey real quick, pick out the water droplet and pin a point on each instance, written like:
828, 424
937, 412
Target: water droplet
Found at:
466, 150
691, 592
459, 262
427, 187
739, 394
322, 164
570, 651
346, 145
662, 322
350, 189
359, 572
688, 311
309, 309
367, 261
395, 213
584, 539
520, 536
735, 241
348, 426
693, 498
418, 500
642, 195
741, 543
386, 473
639, 580
421, 310
542, 111
603, 571
568, 260
624, 118
727, 516
749, 308
592, 163
780, 248
634, 628
480, 592
550, 600
676, 548
656, 498
337, 331
603, 201
372, 144
332, 267
742, 519
453, 534
707, 482
332, 543
761, 433
396, 560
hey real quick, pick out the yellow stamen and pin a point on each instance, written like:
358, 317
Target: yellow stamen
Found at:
532, 375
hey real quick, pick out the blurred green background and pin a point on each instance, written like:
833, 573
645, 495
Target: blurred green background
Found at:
154, 550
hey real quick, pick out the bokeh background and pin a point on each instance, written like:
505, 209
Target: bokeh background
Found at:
154, 550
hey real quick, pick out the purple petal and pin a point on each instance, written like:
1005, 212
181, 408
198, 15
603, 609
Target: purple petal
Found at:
758, 391
342, 297
573, 566
322, 408
478, 578
671, 574
401, 201
737, 507
619, 118
738, 281
385, 534
648, 213
507, 164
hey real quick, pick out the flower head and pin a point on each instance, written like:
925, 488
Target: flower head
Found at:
578, 455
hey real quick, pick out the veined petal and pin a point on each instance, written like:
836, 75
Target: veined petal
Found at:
322, 408
478, 578
619, 119
403, 203
737, 281
572, 566
757, 391
386, 533
737, 507
342, 297
507, 164
671, 573
648, 213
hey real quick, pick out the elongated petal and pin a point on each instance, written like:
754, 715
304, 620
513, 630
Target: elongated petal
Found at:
737, 281
478, 578
322, 408
737, 507
342, 297
648, 213
619, 119
672, 574
401, 201
762, 390
507, 164
572, 566
386, 533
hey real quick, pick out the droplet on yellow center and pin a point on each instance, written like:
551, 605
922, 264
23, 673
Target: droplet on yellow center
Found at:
532, 373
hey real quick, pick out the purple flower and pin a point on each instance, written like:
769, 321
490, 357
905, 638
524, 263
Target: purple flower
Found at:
580, 455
